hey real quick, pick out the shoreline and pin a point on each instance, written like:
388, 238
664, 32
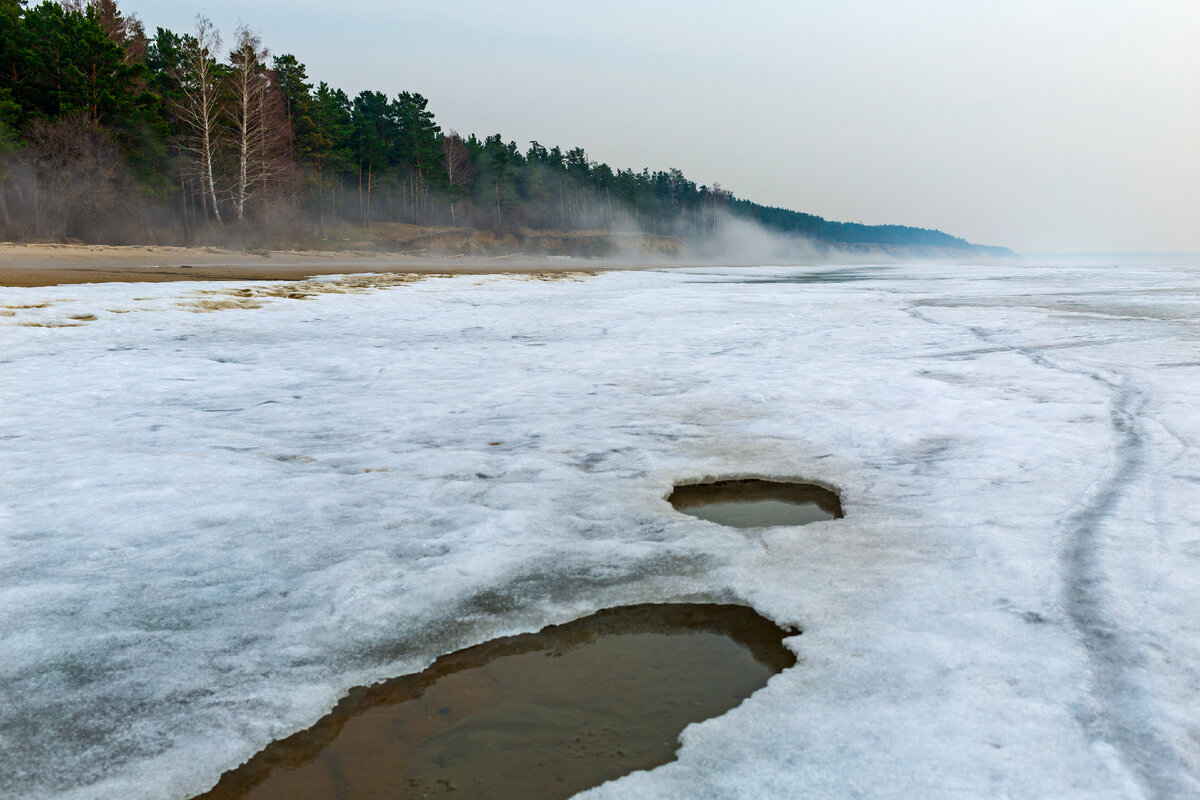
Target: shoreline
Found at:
39, 265
35, 265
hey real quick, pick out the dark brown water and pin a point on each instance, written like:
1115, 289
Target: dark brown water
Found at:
541, 715
757, 503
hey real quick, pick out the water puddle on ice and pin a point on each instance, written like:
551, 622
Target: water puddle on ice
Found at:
757, 503
848, 275
542, 715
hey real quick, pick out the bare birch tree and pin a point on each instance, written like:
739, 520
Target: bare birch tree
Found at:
200, 109
459, 172
260, 129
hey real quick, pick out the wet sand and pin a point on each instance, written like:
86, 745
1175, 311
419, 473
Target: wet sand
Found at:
537, 716
54, 264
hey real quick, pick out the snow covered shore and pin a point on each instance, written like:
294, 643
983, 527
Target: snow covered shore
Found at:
212, 524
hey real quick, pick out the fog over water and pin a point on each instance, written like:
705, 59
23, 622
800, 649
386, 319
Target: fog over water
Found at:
1043, 126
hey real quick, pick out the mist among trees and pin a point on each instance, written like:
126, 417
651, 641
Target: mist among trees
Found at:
110, 133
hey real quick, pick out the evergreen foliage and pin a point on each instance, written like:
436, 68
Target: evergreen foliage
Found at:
180, 145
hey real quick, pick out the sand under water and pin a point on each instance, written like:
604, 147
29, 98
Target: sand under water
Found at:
537, 716
755, 503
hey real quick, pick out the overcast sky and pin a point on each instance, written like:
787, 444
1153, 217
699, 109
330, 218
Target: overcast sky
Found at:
1044, 125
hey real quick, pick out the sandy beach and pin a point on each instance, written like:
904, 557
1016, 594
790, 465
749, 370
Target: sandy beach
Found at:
55, 264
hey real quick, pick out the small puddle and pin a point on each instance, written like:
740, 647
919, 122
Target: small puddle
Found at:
757, 503
538, 716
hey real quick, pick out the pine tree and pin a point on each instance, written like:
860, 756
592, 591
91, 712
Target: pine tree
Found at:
418, 151
374, 140
67, 65
295, 92
328, 147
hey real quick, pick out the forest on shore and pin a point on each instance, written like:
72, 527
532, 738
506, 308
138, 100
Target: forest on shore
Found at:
111, 134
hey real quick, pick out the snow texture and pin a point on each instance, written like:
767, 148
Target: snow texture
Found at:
214, 524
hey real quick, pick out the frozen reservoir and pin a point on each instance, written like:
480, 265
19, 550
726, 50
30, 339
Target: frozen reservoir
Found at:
221, 512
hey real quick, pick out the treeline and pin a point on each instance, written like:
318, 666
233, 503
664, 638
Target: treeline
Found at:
111, 134
810, 226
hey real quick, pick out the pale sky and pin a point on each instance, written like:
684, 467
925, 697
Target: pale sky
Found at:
1042, 125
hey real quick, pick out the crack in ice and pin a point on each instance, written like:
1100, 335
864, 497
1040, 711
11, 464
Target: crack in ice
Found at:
1121, 714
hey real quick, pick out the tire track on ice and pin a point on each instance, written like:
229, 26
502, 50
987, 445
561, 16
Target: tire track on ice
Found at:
1122, 714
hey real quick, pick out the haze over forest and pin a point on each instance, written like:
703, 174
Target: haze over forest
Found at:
111, 132
1042, 125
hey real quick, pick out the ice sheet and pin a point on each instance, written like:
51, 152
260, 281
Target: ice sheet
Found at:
213, 524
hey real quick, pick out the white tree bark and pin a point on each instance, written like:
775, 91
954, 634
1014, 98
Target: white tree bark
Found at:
201, 107
259, 126
458, 169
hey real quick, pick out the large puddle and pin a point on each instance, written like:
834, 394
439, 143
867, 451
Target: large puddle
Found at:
542, 715
757, 503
